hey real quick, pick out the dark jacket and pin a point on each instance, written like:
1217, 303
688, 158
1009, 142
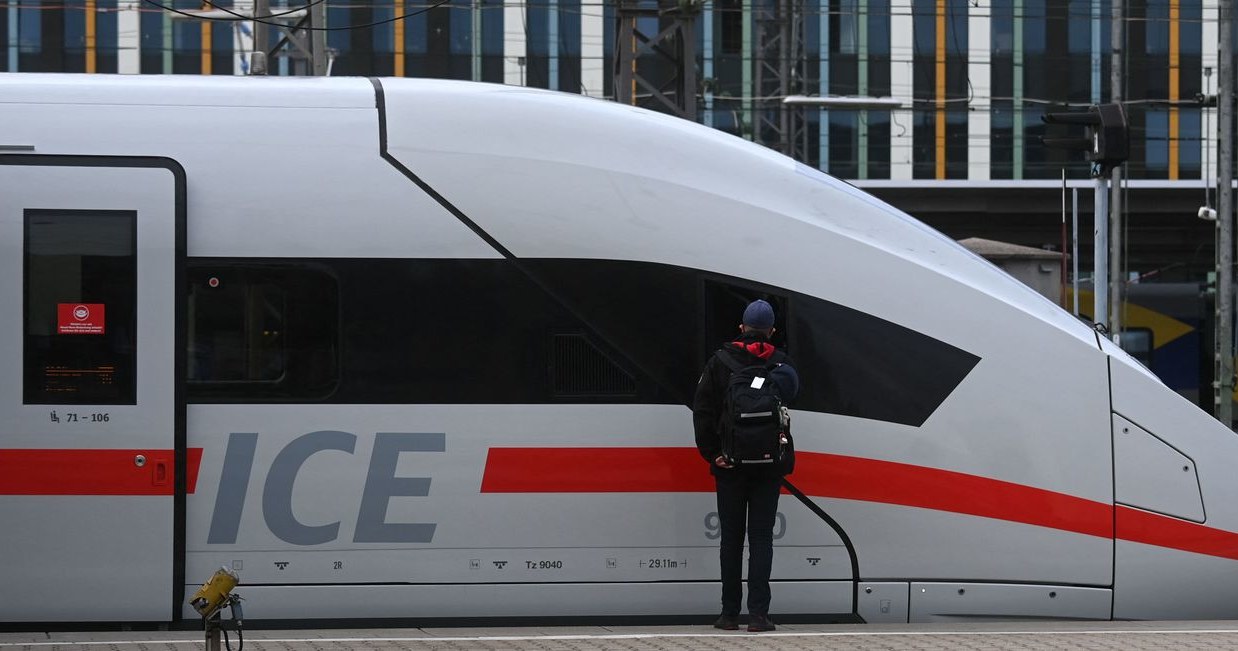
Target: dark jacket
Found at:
750, 348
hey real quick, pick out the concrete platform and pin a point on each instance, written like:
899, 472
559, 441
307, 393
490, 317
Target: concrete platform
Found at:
794, 637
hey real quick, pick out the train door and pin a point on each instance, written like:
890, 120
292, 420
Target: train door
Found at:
92, 411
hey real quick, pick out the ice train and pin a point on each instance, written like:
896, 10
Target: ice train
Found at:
423, 349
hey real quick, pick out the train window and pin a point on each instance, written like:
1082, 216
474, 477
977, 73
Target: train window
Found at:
537, 331
261, 332
80, 307
236, 331
642, 315
856, 364
455, 331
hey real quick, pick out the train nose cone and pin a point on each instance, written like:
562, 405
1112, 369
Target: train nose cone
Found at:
1176, 529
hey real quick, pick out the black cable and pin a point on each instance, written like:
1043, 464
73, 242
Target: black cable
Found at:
242, 16
855, 560
238, 619
187, 14
240, 640
305, 27
239, 17
959, 53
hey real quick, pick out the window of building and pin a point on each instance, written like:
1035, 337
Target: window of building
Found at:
492, 40
29, 28
222, 56
536, 28
1190, 140
74, 35
427, 36
80, 307
1001, 140
106, 35
1156, 151
924, 82
151, 42
187, 47
844, 136
845, 36
609, 31
570, 14
956, 144
878, 144
382, 39
339, 40
731, 26
439, 43
1137, 342
879, 49
924, 144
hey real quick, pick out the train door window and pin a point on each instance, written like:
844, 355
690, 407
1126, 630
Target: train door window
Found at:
1137, 342
261, 333
80, 307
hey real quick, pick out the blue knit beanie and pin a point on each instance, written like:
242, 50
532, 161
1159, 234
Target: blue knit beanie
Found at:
759, 315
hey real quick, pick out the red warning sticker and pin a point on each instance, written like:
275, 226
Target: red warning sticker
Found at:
79, 318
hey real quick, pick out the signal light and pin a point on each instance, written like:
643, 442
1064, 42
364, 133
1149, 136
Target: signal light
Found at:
1106, 136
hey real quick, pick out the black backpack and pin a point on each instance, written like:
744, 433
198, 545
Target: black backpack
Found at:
755, 426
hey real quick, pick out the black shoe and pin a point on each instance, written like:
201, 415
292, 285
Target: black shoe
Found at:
760, 624
727, 622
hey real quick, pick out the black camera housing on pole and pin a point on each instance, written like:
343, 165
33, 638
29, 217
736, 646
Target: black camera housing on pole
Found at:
1106, 138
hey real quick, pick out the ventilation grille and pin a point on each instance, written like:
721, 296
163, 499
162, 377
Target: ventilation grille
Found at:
580, 370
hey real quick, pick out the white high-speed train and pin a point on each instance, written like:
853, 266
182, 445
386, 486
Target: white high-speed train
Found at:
424, 349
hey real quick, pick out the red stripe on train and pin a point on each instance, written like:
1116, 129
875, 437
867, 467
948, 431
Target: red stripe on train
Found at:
870, 480
640, 470
93, 472
596, 470
1158, 530
655, 470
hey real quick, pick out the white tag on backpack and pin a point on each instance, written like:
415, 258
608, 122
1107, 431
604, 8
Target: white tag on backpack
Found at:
758, 382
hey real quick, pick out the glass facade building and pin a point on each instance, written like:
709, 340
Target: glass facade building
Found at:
974, 76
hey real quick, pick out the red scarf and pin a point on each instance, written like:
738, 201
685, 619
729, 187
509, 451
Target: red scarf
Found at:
761, 349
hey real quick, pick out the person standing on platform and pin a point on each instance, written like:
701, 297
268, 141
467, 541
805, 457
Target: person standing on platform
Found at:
742, 430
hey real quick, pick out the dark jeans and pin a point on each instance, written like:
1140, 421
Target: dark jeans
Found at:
749, 497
